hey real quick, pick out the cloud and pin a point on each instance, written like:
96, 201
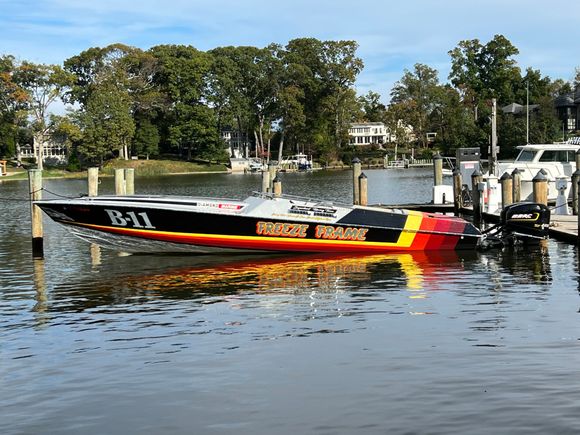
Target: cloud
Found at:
392, 36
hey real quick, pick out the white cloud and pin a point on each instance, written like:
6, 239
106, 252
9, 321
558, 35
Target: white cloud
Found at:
393, 36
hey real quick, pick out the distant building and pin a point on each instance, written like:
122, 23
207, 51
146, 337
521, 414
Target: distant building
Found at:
568, 108
518, 109
368, 133
237, 143
54, 153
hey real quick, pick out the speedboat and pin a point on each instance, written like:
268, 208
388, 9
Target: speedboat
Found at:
262, 222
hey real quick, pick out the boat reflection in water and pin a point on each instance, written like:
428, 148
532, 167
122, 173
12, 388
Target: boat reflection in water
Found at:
128, 279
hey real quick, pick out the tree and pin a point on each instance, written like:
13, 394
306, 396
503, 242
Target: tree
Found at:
126, 71
146, 140
13, 105
44, 85
106, 123
418, 90
188, 124
481, 72
372, 108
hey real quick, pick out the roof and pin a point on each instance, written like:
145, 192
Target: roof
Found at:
516, 109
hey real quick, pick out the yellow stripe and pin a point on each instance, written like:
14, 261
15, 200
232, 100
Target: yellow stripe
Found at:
406, 236
412, 225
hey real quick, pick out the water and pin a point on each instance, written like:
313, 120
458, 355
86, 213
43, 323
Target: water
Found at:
94, 342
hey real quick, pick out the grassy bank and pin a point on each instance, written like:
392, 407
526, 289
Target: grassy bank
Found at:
143, 168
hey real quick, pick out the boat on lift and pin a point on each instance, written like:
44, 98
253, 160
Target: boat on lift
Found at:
261, 222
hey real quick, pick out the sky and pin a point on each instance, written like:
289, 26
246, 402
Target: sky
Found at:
392, 35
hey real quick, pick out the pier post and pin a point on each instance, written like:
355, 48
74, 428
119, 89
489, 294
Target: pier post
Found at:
120, 182
277, 187
271, 176
575, 191
130, 181
265, 181
356, 172
437, 170
457, 193
363, 189
35, 189
506, 181
540, 186
93, 181
476, 182
516, 185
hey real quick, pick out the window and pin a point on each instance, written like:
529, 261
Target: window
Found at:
555, 156
526, 156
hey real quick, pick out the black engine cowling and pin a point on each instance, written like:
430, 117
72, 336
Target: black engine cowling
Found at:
526, 219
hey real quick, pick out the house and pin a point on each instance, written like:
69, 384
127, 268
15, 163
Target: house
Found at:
54, 153
368, 133
568, 108
237, 142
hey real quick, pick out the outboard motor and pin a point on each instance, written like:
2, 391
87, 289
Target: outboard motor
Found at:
526, 220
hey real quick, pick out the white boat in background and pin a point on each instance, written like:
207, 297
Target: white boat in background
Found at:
557, 160
298, 161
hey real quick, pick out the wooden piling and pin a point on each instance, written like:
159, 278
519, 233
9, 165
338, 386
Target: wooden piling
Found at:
272, 175
437, 170
575, 191
356, 172
506, 181
476, 180
457, 192
265, 181
120, 182
35, 189
93, 181
129, 181
516, 185
277, 187
540, 187
363, 189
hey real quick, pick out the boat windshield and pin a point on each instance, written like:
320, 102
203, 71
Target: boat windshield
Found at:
526, 156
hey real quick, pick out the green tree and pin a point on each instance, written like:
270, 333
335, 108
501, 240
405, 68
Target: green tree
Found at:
188, 124
106, 123
419, 90
372, 108
146, 140
13, 105
44, 85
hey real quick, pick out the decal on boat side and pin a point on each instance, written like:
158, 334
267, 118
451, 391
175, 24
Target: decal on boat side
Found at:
340, 233
130, 218
281, 229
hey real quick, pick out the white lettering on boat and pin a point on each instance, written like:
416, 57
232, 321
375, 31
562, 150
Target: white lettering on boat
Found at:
132, 219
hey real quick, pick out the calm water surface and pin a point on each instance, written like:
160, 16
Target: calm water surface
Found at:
95, 342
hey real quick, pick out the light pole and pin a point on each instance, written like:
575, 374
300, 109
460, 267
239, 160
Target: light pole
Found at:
527, 112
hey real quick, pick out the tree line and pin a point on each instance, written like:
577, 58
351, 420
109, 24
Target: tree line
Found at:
176, 100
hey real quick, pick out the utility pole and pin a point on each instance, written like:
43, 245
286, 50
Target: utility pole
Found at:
528, 112
493, 147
